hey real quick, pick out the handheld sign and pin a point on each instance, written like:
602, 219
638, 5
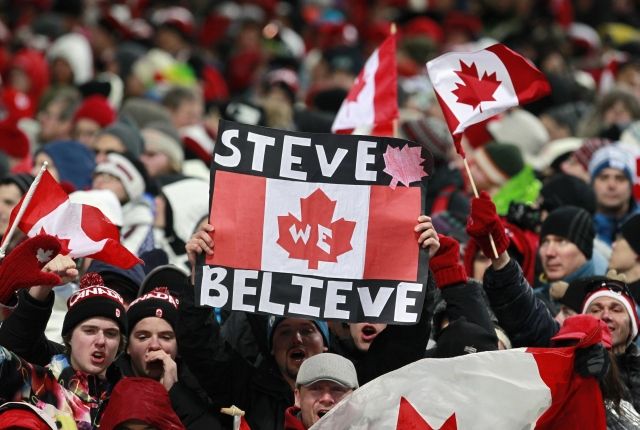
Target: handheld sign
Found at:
316, 225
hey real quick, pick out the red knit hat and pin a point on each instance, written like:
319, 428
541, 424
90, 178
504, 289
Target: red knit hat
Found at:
13, 141
96, 108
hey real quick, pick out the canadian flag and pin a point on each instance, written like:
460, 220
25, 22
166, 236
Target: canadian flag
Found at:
317, 229
513, 389
83, 230
474, 86
371, 105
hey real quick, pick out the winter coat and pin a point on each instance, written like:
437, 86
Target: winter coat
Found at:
291, 420
226, 377
57, 388
528, 322
23, 332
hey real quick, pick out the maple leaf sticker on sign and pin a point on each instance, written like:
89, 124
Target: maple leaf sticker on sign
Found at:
404, 165
315, 237
475, 89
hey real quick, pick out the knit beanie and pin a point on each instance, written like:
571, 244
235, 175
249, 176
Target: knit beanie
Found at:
96, 108
22, 180
128, 135
144, 112
613, 157
73, 161
562, 190
157, 139
93, 299
574, 224
156, 303
119, 166
273, 322
583, 154
431, 133
630, 231
499, 161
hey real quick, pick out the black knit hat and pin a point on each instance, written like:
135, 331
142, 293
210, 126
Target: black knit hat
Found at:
499, 161
563, 190
93, 299
574, 224
156, 303
21, 180
630, 230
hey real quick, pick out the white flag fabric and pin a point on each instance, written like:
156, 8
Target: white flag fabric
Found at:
514, 389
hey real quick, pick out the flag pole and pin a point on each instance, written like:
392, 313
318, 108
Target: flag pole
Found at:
27, 199
460, 151
392, 31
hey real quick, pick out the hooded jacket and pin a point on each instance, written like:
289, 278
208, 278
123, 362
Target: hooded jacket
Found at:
57, 388
291, 420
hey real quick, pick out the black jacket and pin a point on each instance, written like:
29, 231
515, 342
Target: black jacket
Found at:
528, 322
23, 334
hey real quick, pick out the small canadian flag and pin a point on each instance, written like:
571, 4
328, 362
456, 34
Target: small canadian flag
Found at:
474, 86
371, 105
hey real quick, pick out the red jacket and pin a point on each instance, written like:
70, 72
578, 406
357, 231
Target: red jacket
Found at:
291, 421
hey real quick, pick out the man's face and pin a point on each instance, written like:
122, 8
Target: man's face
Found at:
295, 340
105, 181
189, 112
94, 345
151, 334
85, 130
615, 315
156, 162
106, 143
10, 195
623, 258
613, 190
364, 333
52, 126
559, 257
316, 399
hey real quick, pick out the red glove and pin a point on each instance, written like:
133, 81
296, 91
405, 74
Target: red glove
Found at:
484, 221
445, 265
22, 267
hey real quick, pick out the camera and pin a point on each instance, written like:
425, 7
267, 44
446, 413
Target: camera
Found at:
524, 216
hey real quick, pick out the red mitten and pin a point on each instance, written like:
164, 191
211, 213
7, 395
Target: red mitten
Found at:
445, 265
22, 267
484, 221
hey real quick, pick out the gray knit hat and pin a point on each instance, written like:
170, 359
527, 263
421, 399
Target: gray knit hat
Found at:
327, 367
128, 134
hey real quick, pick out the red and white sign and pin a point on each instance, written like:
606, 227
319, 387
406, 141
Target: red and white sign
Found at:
83, 230
317, 229
474, 86
371, 105
513, 389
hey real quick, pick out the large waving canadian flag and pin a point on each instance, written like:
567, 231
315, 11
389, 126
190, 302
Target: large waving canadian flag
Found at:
474, 86
83, 230
513, 389
371, 105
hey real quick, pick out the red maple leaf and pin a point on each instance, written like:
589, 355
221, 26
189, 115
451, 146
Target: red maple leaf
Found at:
64, 243
474, 89
315, 237
410, 419
358, 85
403, 165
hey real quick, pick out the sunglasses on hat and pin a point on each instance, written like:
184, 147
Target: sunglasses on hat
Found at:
612, 285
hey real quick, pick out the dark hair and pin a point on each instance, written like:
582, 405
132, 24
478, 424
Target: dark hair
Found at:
177, 95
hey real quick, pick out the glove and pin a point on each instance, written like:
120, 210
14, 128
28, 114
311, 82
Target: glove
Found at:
592, 361
22, 267
445, 265
484, 221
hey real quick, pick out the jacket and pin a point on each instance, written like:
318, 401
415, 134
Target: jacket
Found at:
291, 420
226, 377
528, 322
56, 389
